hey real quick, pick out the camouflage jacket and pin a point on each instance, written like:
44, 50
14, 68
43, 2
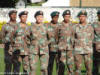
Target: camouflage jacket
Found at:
53, 36
20, 39
6, 32
96, 26
84, 36
66, 36
37, 35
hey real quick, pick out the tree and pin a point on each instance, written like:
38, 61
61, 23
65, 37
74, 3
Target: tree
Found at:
8, 3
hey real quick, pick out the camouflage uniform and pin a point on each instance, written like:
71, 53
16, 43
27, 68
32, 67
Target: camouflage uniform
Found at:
20, 48
66, 46
83, 47
6, 31
53, 38
96, 46
53, 47
38, 48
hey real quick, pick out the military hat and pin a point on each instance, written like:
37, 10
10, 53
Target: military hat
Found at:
12, 11
83, 12
23, 13
66, 12
55, 13
38, 13
98, 12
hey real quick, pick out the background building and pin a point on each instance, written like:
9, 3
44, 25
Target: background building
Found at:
85, 3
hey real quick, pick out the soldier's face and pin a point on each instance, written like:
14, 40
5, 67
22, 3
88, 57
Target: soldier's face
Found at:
82, 18
55, 19
67, 17
39, 18
23, 18
13, 16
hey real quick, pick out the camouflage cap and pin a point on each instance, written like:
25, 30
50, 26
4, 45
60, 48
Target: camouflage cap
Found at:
23, 13
83, 12
98, 12
12, 11
66, 12
38, 13
55, 13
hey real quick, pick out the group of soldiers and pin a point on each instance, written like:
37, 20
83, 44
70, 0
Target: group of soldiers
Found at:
66, 43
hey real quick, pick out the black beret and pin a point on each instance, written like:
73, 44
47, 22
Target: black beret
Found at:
98, 12
66, 12
38, 13
12, 11
54, 13
23, 13
83, 12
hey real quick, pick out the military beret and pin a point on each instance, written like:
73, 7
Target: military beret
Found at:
23, 13
55, 13
98, 12
38, 13
12, 11
83, 12
66, 12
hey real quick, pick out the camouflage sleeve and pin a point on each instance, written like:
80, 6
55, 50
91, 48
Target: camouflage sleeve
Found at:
73, 35
3, 32
92, 33
57, 34
59, 29
28, 35
13, 34
47, 32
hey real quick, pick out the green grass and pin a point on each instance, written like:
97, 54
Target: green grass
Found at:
38, 69
1, 60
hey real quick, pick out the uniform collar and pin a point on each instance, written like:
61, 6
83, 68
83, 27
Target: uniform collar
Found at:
20, 24
66, 23
83, 26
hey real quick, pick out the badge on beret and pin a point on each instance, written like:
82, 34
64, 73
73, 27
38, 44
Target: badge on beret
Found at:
57, 13
25, 12
67, 12
83, 11
41, 12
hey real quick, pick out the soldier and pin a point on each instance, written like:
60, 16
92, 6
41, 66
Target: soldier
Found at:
38, 45
6, 31
83, 44
66, 43
20, 46
96, 54
53, 37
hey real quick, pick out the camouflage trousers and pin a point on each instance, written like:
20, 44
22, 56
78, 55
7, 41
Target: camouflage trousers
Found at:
66, 59
52, 56
17, 59
87, 61
34, 58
